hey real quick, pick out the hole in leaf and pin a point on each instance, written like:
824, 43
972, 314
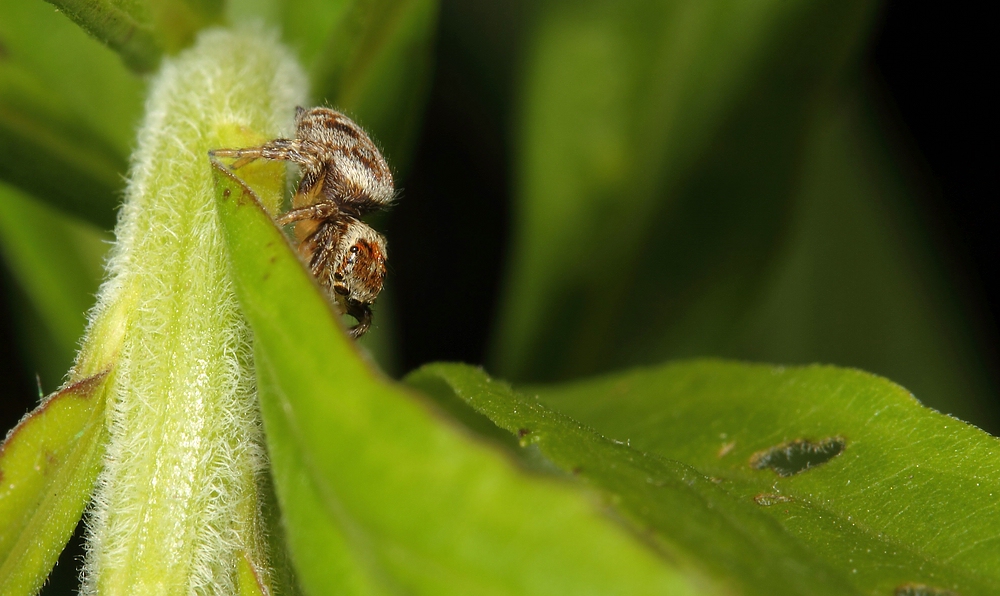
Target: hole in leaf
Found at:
797, 456
922, 590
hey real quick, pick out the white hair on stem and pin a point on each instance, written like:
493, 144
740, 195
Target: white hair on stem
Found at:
177, 501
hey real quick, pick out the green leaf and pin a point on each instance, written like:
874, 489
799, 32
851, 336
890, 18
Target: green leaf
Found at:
857, 281
141, 30
58, 263
68, 110
657, 148
370, 59
121, 26
685, 189
249, 578
379, 493
784, 480
48, 465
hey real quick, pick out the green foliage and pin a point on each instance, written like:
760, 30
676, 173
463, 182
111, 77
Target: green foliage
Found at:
141, 31
634, 147
397, 498
705, 179
250, 582
67, 105
48, 465
120, 28
839, 480
58, 262
691, 178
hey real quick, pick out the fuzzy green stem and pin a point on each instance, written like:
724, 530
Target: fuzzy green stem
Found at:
177, 503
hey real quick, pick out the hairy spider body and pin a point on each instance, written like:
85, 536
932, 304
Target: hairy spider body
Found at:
344, 177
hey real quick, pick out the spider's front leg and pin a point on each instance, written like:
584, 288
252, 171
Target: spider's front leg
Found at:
278, 149
314, 212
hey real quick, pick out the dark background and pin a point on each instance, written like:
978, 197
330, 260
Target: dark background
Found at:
930, 63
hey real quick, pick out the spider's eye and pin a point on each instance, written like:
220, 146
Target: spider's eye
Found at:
354, 249
338, 276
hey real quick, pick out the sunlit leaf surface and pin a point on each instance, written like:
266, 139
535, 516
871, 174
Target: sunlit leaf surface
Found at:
783, 480
382, 495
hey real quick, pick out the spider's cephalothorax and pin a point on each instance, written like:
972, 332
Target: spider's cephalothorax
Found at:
344, 177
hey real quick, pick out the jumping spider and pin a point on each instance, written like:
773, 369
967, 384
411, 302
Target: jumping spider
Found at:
344, 177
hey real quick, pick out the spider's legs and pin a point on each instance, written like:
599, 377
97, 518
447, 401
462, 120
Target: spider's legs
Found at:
317, 211
278, 149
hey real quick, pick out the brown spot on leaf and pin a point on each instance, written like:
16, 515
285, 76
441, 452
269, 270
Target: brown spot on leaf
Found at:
51, 462
522, 432
247, 197
768, 499
725, 449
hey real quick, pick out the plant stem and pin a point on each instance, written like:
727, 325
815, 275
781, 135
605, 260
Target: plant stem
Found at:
178, 501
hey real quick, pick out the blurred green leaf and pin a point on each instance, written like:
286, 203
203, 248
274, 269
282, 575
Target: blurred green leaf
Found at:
58, 262
68, 109
681, 194
786, 481
380, 494
48, 465
654, 132
121, 26
177, 22
307, 25
370, 59
856, 280
141, 30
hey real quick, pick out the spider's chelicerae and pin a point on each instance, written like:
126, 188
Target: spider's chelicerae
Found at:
344, 177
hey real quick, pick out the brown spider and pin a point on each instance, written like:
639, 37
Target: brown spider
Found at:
343, 178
